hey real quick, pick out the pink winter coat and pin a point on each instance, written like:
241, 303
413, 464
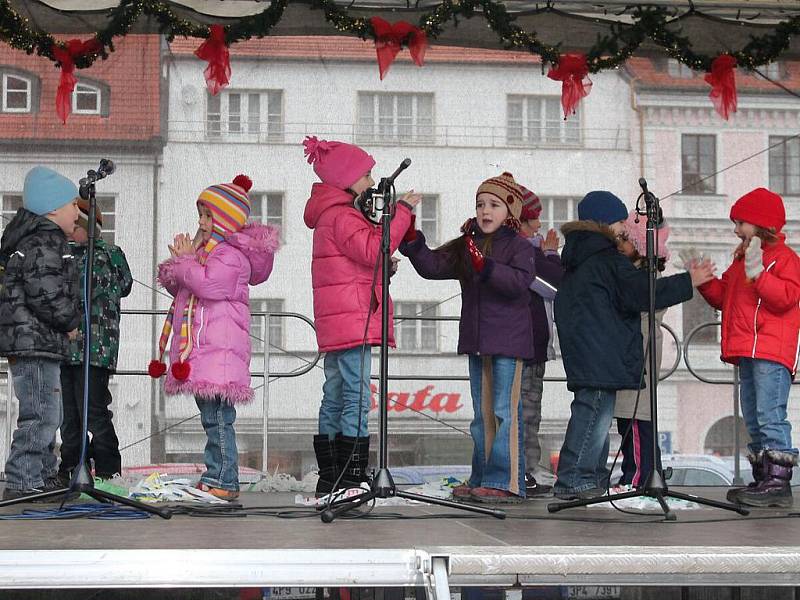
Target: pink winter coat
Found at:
220, 356
346, 247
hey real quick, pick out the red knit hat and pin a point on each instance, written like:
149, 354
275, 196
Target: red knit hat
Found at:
531, 205
760, 207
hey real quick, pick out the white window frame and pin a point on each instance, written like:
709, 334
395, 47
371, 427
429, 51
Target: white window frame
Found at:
28, 93
88, 89
678, 70
266, 123
788, 161
277, 330
548, 120
548, 216
427, 223
107, 205
6, 214
262, 199
703, 177
418, 308
412, 129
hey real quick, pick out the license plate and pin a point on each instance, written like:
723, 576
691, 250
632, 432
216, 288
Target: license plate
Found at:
592, 592
292, 593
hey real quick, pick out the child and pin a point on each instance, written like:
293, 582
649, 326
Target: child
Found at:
597, 311
548, 275
637, 433
495, 267
210, 351
38, 317
111, 281
346, 248
758, 296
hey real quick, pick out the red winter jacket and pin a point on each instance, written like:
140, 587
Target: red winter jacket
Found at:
761, 318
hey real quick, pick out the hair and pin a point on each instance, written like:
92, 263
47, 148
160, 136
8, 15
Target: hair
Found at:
767, 234
456, 252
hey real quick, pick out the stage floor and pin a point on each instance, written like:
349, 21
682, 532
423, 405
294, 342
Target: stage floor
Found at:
274, 542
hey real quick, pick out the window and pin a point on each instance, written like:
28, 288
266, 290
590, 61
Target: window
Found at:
257, 335
253, 114
695, 312
556, 211
720, 439
784, 165
107, 205
679, 70
427, 212
699, 161
416, 334
17, 93
538, 120
267, 207
395, 118
86, 99
775, 70
11, 204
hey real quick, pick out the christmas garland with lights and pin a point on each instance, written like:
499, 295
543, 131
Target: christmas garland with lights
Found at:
609, 51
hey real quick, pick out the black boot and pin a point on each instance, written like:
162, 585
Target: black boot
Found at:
356, 451
776, 487
758, 465
327, 461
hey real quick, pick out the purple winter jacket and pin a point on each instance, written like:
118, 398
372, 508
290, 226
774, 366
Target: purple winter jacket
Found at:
495, 303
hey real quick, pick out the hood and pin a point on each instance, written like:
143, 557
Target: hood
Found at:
584, 239
258, 243
24, 224
323, 196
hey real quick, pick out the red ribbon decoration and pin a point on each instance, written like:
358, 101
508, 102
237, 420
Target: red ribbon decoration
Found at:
66, 55
573, 73
215, 51
722, 80
389, 38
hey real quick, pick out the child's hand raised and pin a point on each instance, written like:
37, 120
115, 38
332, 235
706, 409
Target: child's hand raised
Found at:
182, 245
411, 198
551, 241
702, 272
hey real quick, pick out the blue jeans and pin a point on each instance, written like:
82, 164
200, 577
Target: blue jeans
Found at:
498, 455
346, 396
583, 457
32, 459
221, 455
764, 391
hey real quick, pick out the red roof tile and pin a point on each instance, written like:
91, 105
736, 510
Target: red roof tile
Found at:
132, 72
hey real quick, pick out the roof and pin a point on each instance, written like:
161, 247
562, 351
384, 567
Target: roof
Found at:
132, 73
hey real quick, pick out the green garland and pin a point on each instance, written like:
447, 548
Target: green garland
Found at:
609, 51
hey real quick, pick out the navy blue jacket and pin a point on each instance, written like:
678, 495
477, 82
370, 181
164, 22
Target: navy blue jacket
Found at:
597, 309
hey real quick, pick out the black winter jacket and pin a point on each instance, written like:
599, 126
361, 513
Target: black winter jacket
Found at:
39, 294
598, 306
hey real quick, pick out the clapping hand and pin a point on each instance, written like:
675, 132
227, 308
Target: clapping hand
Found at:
551, 241
182, 245
689, 257
702, 272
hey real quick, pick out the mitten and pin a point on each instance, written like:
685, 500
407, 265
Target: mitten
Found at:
475, 255
754, 259
411, 232
687, 257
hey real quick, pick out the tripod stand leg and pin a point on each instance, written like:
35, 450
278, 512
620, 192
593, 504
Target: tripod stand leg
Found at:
707, 502
668, 514
101, 495
557, 506
346, 505
34, 497
492, 512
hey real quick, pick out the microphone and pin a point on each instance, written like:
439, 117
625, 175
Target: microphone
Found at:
403, 166
643, 185
105, 169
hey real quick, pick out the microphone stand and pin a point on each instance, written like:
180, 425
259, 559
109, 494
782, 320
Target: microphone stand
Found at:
655, 486
382, 485
81, 478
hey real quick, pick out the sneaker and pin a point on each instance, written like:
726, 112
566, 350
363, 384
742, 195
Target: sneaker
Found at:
534, 489
462, 491
494, 496
229, 495
594, 492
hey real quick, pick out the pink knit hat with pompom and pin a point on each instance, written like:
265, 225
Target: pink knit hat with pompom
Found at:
337, 163
637, 234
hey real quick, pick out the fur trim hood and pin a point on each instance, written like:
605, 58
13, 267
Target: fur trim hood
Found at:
584, 239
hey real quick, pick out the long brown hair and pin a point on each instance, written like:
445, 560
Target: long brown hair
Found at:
456, 252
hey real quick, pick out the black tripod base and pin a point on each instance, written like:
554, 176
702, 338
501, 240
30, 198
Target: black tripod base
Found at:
383, 487
660, 494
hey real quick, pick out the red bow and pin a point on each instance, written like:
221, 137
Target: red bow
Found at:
723, 84
215, 51
573, 73
389, 38
66, 55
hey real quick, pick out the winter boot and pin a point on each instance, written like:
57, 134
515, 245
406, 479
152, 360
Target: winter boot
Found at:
757, 463
327, 461
776, 488
353, 454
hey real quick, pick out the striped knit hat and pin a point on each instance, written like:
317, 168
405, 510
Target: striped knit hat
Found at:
229, 205
509, 192
531, 205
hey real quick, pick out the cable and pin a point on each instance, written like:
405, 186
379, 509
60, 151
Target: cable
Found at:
99, 511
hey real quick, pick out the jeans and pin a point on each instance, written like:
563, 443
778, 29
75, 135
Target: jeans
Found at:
346, 395
583, 457
498, 458
32, 459
531, 393
221, 455
104, 447
764, 391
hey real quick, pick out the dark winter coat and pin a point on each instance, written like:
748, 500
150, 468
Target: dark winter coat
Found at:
598, 306
111, 282
549, 273
495, 303
39, 297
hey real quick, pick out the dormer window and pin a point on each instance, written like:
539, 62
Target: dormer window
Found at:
17, 93
86, 99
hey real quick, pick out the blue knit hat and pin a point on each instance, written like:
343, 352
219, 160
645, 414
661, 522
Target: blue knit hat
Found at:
46, 191
602, 207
